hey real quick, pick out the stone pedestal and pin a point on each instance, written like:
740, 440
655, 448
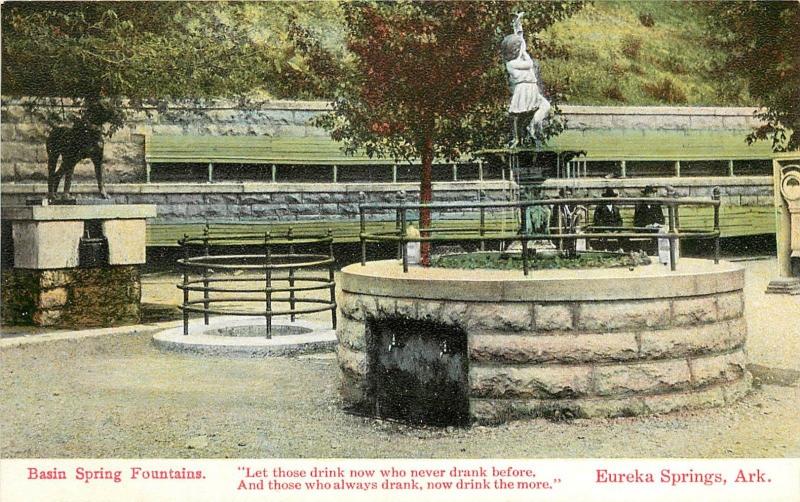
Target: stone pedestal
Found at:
786, 178
44, 281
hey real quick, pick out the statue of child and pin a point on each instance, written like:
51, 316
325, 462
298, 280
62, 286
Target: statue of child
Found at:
523, 79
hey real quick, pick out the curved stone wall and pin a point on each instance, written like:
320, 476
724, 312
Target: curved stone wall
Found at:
588, 343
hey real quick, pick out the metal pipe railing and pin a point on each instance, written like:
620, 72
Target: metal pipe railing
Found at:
261, 268
674, 235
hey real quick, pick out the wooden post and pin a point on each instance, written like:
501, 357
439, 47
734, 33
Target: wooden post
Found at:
394, 173
673, 257
455, 171
268, 284
677, 168
185, 284
623, 168
482, 228
274, 172
730, 167
480, 170
210, 172
403, 238
335, 174
207, 251
331, 268
290, 238
147, 172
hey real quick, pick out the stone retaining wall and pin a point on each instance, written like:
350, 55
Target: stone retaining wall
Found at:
23, 158
580, 345
264, 202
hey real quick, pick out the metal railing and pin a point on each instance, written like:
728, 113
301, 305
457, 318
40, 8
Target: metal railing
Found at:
257, 274
483, 234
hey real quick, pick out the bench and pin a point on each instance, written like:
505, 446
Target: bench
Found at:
621, 146
166, 235
263, 150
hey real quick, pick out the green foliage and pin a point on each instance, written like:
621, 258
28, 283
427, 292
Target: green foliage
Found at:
666, 91
139, 51
501, 261
638, 53
760, 41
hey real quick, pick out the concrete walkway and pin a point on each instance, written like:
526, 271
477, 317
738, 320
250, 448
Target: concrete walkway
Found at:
111, 393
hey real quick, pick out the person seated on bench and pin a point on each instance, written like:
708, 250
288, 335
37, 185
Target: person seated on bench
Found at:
607, 215
645, 216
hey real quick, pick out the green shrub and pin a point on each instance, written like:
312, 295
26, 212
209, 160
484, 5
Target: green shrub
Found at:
666, 90
614, 93
647, 20
631, 45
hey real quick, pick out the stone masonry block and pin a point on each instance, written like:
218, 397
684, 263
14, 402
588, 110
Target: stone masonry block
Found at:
352, 390
126, 241
351, 333
674, 401
687, 340
7, 132
406, 308
429, 311
546, 382
718, 368
694, 310
47, 317
501, 410
555, 317
54, 278
506, 316
355, 306
660, 376
565, 349
351, 361
53, 298
730, 305
736, 390
608, 316
7, 171
385, 306
454, 313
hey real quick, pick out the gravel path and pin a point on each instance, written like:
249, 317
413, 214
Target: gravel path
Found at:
118, 396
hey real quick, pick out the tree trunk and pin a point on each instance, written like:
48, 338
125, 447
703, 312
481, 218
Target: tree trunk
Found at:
425, 197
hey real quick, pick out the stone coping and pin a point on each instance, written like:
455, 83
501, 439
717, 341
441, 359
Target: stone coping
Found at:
321, 105
80, 212
255, 187
687, 181
693, 277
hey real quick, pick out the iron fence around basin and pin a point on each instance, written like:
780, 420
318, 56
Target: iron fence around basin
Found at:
256, 275
483, 234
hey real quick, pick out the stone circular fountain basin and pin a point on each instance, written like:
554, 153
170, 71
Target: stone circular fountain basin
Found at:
245, 337
496, 345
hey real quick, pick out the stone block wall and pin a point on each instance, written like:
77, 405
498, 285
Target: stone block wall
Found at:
564, 355
24, 160
267, 202
70, 298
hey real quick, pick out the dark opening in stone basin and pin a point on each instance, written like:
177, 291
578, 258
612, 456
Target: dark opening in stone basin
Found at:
258, 330
417, 371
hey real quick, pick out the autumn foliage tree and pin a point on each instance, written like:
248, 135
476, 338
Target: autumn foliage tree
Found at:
427, 80
761, 43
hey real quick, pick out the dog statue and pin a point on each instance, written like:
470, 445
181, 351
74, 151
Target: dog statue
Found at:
84, 140
73, 144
